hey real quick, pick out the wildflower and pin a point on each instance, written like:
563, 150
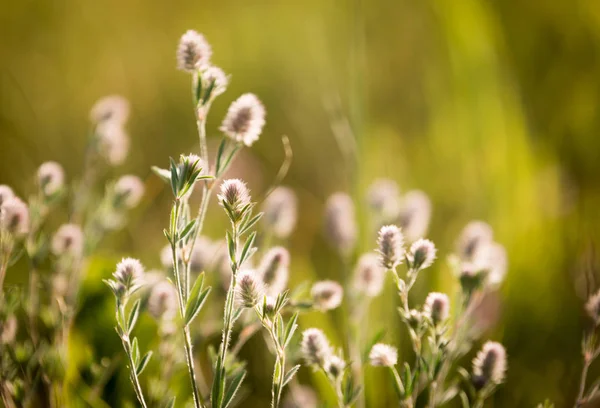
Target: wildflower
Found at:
113, 108
68, 240
492, 258
592, 307
334, 366
315, 346
422, 254
274, 270
437, 307
6, 193
340, 222
215, 77
390, 244
8, 330
327, 295
244, 120
113, 142
202, 254
129, 272
51, 177
162, 302
383, 355
193, 51
14, 217
369, 275
235, 198
415, 215
280, 211
249, 290
489, 366
473, 238
268, 306
383, 197
129, 190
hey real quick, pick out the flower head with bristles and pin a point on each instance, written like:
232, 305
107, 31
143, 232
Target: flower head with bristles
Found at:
202, 254
334, 366
113, 142
383, 198
489, 366
274, 270
249, 290
475, 236
6, 193
214, 79
68, 240
437, 307
129, 272
112, 108
193, 51
327, 295
51, 178
415, 215
14, 217
244, 120
315, 347
391, 246
129, 190
235, 198
162, 302
340, 222
383, 355
422, 254
369, 275
280, 211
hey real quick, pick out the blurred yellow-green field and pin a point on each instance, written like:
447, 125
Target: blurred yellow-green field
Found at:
490, 107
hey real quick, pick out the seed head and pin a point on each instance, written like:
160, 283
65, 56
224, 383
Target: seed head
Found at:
340, 222
112, 108
437, 307
369, 275
14, 217
475, 236
274, 270
280, 211
234, 197
162, 302
249, 290
334, 366
193, 52
129, 272
129, 190
315, 347
383, 198
415, 215
6, 193
51, 177
215, 75
113, 142
327, 295
422, 254
244, 120
383, 355
390, 243
490, 365
68, 240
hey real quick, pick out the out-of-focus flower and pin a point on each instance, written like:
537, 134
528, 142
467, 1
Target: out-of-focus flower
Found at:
369, 275
315, 346
489, 366
68, 240
301, 396
202, 254
113, 142
383, 198
383, 355
129, 190
327, 295
422, 254
51, 177
274, 270
415, 215
6, 193
14, 217
475, 236
280, 211
340, 222
592, 307
162, 302
112, 108
437, 307
244, 120
215, 75
334, 366
193, 51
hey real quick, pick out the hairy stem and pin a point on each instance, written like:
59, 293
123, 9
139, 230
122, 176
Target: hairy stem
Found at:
134, 378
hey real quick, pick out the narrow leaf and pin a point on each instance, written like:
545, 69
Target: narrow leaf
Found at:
133, 316
233, 387
143, 363
190, 314
247, 246
290, 374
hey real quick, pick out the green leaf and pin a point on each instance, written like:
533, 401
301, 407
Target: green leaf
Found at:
188, 228
198, 90
247, 246
231, 247
464, 400
143, 363
135, 351
170, 403
165, 175
290, 329
208, 92
229, 158
233, 387
218, 383
195, 307
374, 340
251, 223
220, 155
174, 177
290, 374
133, 316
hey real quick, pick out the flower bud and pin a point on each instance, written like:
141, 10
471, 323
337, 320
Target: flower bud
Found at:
215, 77
369, 275
489, 366
326, 295
68, 240
390, 244
234, 198
129, 190
315, 346
193, 51
51, 178
244, 120
249, 289
280, 211
340, 222
383, 355
437, 307
14, 217
422, 254
334, 366
274, 270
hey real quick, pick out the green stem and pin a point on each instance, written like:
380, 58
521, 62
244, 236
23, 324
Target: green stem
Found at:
134, 378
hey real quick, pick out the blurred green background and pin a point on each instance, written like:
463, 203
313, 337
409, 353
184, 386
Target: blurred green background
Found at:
489, 106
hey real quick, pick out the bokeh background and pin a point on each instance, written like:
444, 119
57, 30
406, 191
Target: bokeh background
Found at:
488, 106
